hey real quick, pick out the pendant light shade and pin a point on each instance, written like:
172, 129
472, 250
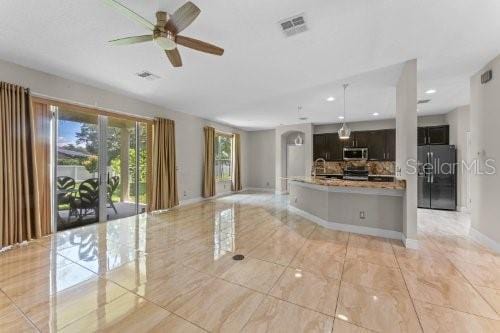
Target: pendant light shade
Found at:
344, 131
298, 140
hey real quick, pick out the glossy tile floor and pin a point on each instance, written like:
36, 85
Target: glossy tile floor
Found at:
174, 272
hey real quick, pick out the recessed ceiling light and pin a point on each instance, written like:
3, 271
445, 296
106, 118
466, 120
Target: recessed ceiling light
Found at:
375, 114
330, 99
340, 117
431, 91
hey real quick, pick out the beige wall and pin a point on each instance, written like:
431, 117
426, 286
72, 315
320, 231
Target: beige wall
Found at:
261, 165
189, 133
485, 121
459, 121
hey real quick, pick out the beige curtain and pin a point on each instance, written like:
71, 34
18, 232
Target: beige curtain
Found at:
209, 163
19, 208
42, 150
236, 163
163, 192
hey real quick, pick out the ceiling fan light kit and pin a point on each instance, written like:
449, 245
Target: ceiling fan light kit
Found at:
165, 32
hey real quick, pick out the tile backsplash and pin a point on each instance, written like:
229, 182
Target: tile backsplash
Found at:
374, 167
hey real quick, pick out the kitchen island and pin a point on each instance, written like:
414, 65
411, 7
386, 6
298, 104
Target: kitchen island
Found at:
365, 207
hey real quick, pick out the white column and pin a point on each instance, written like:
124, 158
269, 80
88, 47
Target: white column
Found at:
406, 146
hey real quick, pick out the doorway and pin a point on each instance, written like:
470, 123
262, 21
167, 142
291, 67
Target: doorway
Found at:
101, 167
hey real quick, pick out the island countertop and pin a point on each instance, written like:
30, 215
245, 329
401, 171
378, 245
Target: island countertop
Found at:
393, 185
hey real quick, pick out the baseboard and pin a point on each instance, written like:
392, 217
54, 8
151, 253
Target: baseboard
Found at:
347, 227
463, 209
259, 189
190, 201
199, 199
484, 240
409, 243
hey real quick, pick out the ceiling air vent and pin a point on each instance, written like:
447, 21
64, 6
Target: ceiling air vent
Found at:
293, 25
486, 76
148, 75
423, 101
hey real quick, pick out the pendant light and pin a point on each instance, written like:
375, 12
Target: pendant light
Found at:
298, 140
344, 131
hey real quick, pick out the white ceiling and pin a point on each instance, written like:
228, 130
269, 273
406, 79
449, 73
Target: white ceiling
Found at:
262, 76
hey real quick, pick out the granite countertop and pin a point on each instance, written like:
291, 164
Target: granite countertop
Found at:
394, 185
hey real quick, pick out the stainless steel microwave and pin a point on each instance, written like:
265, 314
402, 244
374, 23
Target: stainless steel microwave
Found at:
355, 154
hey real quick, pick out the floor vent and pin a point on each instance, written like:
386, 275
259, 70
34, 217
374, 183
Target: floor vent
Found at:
293, 25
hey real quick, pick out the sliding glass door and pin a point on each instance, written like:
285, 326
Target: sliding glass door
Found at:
102, 167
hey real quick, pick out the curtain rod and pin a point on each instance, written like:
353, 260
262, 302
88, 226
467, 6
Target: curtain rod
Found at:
58, 100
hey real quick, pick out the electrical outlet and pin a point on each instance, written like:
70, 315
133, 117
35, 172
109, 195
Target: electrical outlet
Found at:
267, 184
185, 194
362, 215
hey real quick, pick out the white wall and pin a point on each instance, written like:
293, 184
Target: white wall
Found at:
189, 129
459, 121
434, 120
485, 121
281, 136
262, 159
406, 142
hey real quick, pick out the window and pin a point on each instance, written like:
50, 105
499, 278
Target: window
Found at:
223, 156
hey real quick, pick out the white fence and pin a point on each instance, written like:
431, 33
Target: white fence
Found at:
77, 172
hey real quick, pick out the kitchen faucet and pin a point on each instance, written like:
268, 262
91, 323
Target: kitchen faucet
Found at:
315, 164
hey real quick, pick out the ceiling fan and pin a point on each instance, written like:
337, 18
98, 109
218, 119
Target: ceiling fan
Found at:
165, 32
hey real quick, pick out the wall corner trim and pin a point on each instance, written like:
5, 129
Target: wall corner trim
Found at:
484, 240
409, 243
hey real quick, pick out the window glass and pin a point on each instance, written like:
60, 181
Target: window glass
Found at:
223, 157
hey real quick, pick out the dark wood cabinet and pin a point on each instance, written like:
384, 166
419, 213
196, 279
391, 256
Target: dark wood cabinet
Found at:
376, 145
334, 151
390, 145
422, 136
381, 145
433, 135
438, 135
361, 139
319, 146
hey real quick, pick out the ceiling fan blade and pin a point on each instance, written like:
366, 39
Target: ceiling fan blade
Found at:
198, 45
131, 40
130, 14
183, 17
174, 57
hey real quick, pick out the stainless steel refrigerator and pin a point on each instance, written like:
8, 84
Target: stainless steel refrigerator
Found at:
437, 177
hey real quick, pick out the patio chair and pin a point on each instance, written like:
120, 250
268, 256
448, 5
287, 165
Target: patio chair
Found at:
113, 183
65, 191
64, 184
88, 198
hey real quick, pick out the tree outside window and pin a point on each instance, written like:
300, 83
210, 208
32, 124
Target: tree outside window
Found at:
223, 157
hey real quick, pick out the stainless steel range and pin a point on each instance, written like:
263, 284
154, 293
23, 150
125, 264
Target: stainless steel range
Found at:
356, 173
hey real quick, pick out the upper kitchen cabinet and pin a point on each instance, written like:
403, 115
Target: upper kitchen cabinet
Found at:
334, 151
327, 146
434, 135
319, 146
390, 145
381, 145
376, 145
